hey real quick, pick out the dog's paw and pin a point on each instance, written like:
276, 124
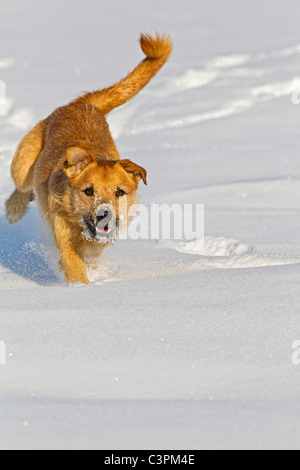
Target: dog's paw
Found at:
17, 206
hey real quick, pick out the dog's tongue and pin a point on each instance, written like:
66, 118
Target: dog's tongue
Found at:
100, 229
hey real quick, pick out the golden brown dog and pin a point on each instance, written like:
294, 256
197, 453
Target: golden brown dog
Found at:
70, 163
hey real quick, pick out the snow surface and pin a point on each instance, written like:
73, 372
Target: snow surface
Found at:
176, 345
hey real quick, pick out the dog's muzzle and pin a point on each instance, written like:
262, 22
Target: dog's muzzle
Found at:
103, 227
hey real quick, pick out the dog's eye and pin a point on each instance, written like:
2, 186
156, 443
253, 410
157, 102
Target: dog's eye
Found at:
120, 193
89, 192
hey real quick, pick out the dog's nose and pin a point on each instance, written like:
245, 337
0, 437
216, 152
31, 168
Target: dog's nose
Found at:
105, 221
104, 214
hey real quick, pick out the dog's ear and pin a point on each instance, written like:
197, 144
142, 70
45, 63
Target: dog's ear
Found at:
135, 170
77, 159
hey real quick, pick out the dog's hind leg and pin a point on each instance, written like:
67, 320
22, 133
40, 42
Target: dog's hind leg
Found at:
22, 166
22, 169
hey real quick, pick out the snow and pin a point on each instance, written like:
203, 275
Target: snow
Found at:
175, 345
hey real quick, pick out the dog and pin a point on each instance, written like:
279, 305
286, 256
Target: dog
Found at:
71, 165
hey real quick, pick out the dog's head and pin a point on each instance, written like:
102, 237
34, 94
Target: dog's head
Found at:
101, 192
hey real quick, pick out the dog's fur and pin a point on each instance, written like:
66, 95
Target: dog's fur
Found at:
71, 152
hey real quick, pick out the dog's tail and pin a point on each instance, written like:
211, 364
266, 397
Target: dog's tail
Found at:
157, 50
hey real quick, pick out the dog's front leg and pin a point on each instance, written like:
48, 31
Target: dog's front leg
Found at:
67, 241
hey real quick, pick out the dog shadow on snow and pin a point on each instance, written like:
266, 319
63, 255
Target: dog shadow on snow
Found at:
23, 249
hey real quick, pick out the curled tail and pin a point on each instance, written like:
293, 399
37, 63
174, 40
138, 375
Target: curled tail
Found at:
157, 50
